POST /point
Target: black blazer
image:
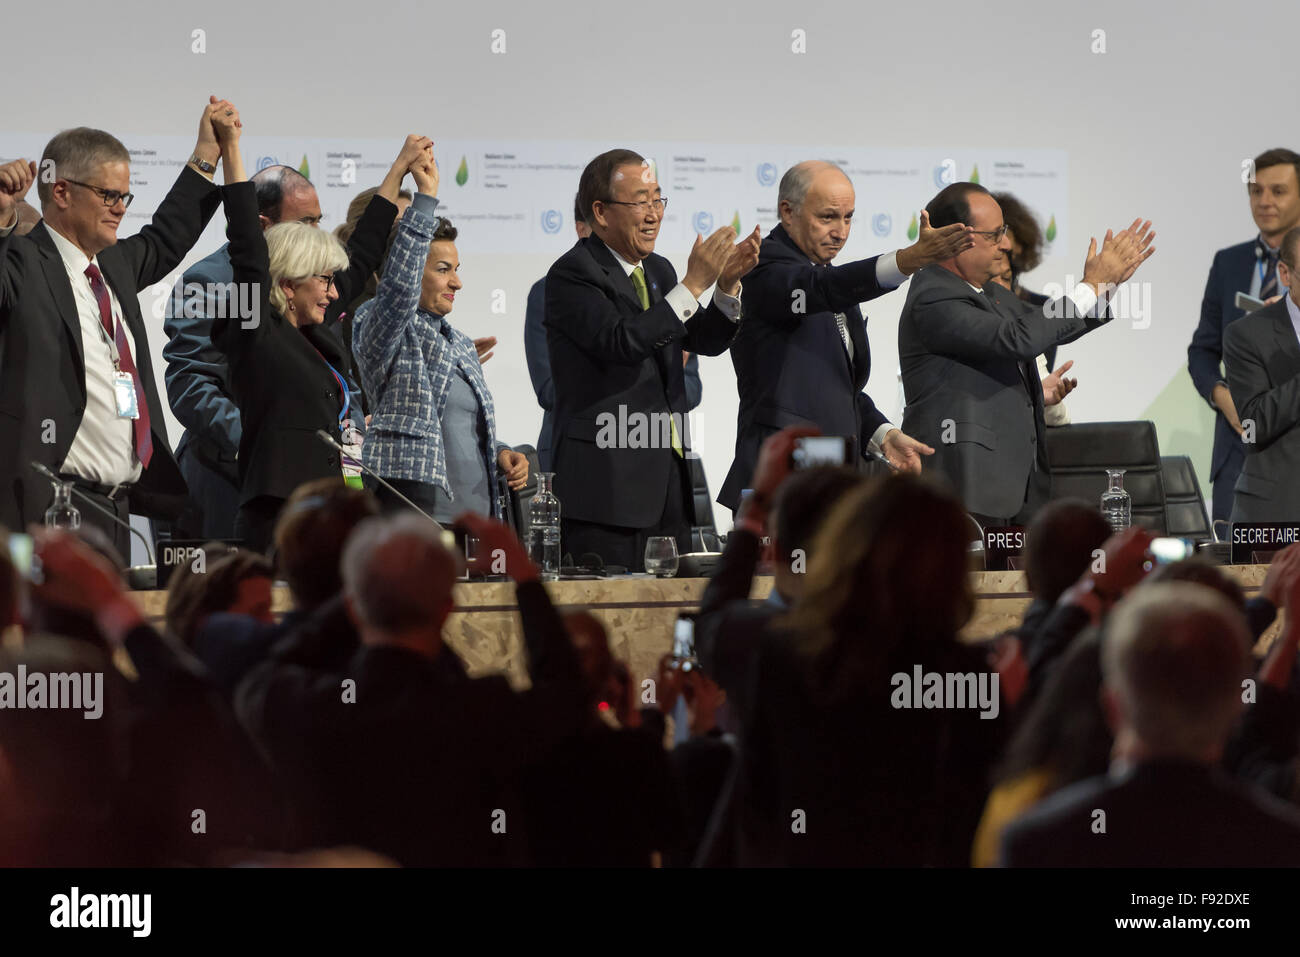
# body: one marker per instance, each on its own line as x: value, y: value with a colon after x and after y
x: 791, y: 367
x: 970, y: 376
x: 1262, y: 359
x: 284, y: 390
x: 1230, y: 273
x: 606, y: 354
x: 42, y: 363
x: 1161, y: 814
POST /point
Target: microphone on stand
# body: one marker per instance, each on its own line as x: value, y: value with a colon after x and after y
x: 330, y: 441
x: 44, y: 470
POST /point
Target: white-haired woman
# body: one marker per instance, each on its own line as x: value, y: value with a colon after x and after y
x: 286, y: 371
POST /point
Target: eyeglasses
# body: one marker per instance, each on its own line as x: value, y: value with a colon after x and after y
x: 644, y: 206
x: 993, y: 235
x: 110, y: 196
x: 325, y: 277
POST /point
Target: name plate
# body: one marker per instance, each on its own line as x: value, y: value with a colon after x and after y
x: 177, y: 552
x: 1249, y: 539
x: 1002, y: 544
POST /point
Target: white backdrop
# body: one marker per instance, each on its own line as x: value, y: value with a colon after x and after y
x: 1157, y: 125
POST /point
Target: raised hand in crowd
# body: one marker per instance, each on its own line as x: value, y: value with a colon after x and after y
x: 707, y: 259
x: 1122, y: 564
x: 740, y: 260
x: 74, y: 577
x: 424, y: 170
x: 410, y: 153
x: 1119, y: 257
x: 227, y: 128
x: 935, y: 245
x: 16, y: 179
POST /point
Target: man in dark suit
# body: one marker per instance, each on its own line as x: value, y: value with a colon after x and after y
x: 539, y: 357
x: 801, y: 356
x: 1173, y: 663
x: 1249, y: 267
x: 198, y: 379
x: 617, y: 321
x: 77, y: 388
x: 967, y: 347
x: 1261, y: 354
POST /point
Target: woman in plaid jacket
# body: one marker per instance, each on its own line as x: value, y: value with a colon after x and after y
x: 432, y: 431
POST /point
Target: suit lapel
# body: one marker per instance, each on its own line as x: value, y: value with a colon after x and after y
x: 619, y: 279
x: 56, y: 277
x: 1285, y: 337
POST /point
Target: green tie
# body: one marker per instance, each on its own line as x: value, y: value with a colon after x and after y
x: 642, y: 294
x: 638, y: 280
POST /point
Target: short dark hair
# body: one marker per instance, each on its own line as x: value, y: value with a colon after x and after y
x: 272, y: 184
x: 309, y: 536
x: 1289, y: 251
x: 192, y: 596
x: 952, y: 204
x: 578, y: 215
x: 1276, y: 157
x: 443, y: 231
x: 597, y: 181
x: 1059, y: 545
x: 1024, y: 226
x: 75, y: 153
x: 804, y: 500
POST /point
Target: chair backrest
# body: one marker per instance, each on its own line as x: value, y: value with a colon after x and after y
x: 703, y: 500
x: 517, y: 511
x: 1078, y: 456
x: 1185, y: 515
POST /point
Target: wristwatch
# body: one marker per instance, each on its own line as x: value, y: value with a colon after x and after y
x: 204, y: 165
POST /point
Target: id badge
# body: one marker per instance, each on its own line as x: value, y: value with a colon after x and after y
x: 128, y: 405
x: 352, y: 441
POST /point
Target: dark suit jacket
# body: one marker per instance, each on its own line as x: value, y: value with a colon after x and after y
x: 539, y: 370
x: 277, y: 375
x: 1230, y: 273
x: 909, y: 793
x: 791, y: 366
x: 608, y: 353
x: 42, y: 365
x: 198, y: 381
x: 417, y: 765
x: 1262, y: 359
x: 1161, y: 814
x: 972, y: 386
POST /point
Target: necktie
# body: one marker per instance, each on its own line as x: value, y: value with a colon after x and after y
x: 143, y: 436
x: 643, y: 294
x: 842, y: 322
x: 1268, y: 258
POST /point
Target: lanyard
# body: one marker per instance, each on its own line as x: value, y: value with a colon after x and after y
x: 343, y: 388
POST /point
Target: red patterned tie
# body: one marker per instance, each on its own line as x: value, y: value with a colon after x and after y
x: 143, y: 437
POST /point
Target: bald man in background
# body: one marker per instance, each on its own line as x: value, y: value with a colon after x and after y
x: 801, y: 355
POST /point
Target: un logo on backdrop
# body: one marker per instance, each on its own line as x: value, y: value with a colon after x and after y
x: 766, y: 174
x: 264, y: 161
x: 703, y: 222
x: 552, y: 220
x: 882, y: 224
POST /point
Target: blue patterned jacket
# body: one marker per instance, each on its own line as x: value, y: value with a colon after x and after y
x: 406, y: 356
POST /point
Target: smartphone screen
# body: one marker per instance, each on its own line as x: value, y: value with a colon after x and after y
x: 814, y: 450
x: 684, y: 643
x: 1166, y: 551
x: 20, y: 553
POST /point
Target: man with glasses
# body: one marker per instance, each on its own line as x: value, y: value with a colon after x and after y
x: 968, y: 346
x: 1261, y: 354
x: 197, y: 375
x: 802, y: 355
x: 77, y: 390
x: 617, y: 321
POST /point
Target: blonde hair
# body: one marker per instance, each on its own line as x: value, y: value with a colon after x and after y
x: 297, y: 251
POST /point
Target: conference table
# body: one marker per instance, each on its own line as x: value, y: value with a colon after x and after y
x: 638, y: 612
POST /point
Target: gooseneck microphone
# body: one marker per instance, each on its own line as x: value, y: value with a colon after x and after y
x: 330, y: 441
x: 44, y: 470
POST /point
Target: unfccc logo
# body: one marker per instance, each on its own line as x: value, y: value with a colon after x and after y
x: 703, y: 222
x: 552, y: 220
x: 766, y: 174
x: 882, y: 224
x: 265, y: 161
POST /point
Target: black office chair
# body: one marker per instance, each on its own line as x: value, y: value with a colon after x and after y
x: 1185, y: 515
x: 517, y: 502
x: 705, y: 530
x: 1078, y: 456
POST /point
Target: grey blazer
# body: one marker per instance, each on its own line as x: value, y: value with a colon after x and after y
x: 972, y: 387
x: 1262, y: 359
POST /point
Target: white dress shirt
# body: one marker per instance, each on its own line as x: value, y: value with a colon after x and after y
x: 680, y: 298
x: 103, y: 450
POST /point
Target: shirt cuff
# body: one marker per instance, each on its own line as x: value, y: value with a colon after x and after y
x: 877, y: 441
x: 683, y: 303
x: 729, y: 305
x: 1084, y: 299
x: 6, y: 230
x: 887, y: 271
x: 425, y: 203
